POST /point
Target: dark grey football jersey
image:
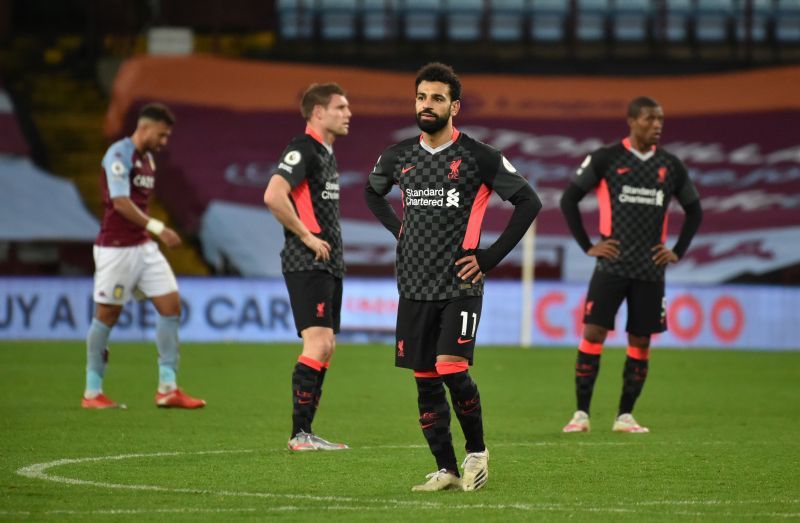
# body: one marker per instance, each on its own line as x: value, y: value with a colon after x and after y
x: 633, y: 193
x: 310, y: 168
x: 445, y: 193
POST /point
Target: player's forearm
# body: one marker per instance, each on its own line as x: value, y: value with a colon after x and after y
x: 691, y: 223
x: 125, y: 207
x: 281, y: 207
x: 572, y: 214
x: 382, y: 210
x: 526, y: 206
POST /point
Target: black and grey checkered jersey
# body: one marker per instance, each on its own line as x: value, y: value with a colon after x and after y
x: 445, y: 194
x: 310, y: 168
x: 634, y: 194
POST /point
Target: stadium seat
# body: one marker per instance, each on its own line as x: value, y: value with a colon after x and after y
x: 787, y: 22
x: 337, y: 19
x: 712, y: 20
x: 590, y: 20
x: 757, y: 29
x: 420, y: 18
x: 507, y: 20
x: 377, y: 20
x: 676, y: 24
x: 296, y: 19
x: 463, y: 20
x: 631, y: 20
x: 547, y: 20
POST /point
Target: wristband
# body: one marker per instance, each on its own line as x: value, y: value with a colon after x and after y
x: 155, y: 226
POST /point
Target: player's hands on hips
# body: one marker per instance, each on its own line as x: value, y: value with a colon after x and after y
x: 607, y: 248
x: 662, y: 255
x: 470, y: 269
x: 170, y: 238
x: 321, y: 248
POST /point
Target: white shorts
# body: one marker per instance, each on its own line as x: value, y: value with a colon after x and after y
x: 140, y: 270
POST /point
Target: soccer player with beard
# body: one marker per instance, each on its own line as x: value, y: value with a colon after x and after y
x: 445, y: 178
x: 635, y: 180
x: 303, y: 195
x: 129, y: 263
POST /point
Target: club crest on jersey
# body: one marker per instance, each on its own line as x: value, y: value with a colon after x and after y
x: 662, y: 174
x: 401, y: 350
x: 454, y: 165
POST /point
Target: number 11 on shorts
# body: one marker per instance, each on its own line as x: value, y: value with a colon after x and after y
x: 465, y: 323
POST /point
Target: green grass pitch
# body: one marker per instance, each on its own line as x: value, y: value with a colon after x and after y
x: 724, y: 443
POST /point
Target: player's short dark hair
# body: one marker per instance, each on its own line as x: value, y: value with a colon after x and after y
x: 439, y: 72
x: 158, y: 113
x: 636, y: 105
x: 318, y: 94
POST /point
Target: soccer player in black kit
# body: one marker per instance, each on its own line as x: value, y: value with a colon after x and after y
x: 303, y: 195
x: 635, y: 181
x: 445, y: 178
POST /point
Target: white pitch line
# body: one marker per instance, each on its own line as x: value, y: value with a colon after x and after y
x: 131, y: 511
x: 40, y: 471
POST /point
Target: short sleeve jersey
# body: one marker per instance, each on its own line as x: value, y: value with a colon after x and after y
x: 634, y: 191
x: 445, y: 192
x: 310, y: 168
x: 126, y: 173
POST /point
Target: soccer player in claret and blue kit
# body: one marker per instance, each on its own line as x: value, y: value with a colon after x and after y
x: 303, y: 195
x: 128, y: 263
x: 446, y: 179
x: 635, y: 181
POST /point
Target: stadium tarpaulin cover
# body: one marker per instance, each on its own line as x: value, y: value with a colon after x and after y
x: 36, y: 206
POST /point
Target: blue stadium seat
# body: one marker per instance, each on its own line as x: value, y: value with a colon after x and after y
x: 761, y: 17
x: 377, y: 20
x: 547, y: 20
x: 463, y: 20
x: 787, y: 22
x: 337, y: 19
x: 590, y: 20
x: 712, y: 19
x: 421, y: 18
x: 676, y: 25
x: 296, y: 19
x: 631, y: 20
x: 507, y: 20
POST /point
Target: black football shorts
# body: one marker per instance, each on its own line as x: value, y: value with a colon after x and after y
x: 316, y: 298
x: 426, y: 329
x: 647, y: 308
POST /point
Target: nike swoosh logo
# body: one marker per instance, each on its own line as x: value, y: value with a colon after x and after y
x: 462, y: 341
x: 302, y: 402
x: 623, y: 170
x: 429, y: 425
x: 407, y: 169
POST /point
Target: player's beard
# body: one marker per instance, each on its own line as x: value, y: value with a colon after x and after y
x: 432, y: 126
